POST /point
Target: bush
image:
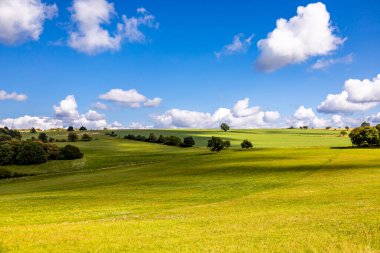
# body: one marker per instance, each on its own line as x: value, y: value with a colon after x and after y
x: 73, y: 137
x: 130, y: 137
x: 188, y: 142
x: 365, y: 136
x: 216, y: 144
x: 51, y: 139
x: 43, y: 137
x: 224, y: 127
x: 5, y: 137
x: 152, y: 138
x: 173, y: 141
x: 86, y: 137
x: 31, y: 153
x: 161, y: 139
x: 70, y: 152
x: 52, y: 151
x: 246, y: 144
x: 6, y: 154
x: 112, y: 134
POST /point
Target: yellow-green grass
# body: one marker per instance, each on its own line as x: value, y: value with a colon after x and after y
x: 129, y: 196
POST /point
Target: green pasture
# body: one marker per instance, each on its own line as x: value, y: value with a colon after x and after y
x: 296, y: 191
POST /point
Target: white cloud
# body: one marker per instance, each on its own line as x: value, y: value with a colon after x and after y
x: 91, y: 37
x: 99, y: 105
x: 325, y: 63
x: 295, y: 40
x: 363, y: 91
x: 26, y: 122
x: 138, y: 125
x: 339, y: 103
x: 306, y: 117
x: 22, y: 20
x: 67, y: 109
x: 239, y: 44
x: 240, y: 116
x: 153, y: 102
x: 12, y: 96
x: 130, y: 98
x: 94, y: 116
x: 303, y: 113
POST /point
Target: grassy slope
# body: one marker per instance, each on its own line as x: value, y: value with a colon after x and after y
x: 135, y: 196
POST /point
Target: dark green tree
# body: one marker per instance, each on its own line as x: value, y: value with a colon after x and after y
x: 86, y: 137
x: 246, y: 144
x: 43, y: 137
x: 72, y: 137
x: 70, y: 152
x: 70, y: 128
x: 31, y: 153
x: 33, y: 130
x: 224, y: 127
x: 365, y: 136
x: 365, y: 124
x: 216, y: 144
x: 188, y: 141
x: 152, y: 138
x: 82, y: 128
x: 6, y: 154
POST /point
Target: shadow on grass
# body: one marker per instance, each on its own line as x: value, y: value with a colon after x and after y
x: 354, y: 147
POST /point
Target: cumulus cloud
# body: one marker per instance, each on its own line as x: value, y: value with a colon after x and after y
x: 22, y: 20
x: 239, y: 44
x: 130, y: 98
x: 240, y: 116
x: 339, y: 103
x: 138, y: 125
x: 295, y: 40
x: 325, y: 63
x: 306, y: 117
x: 12, y: 96
x: 90, y: 36
x: 363, y: 91
x: 26, y: 122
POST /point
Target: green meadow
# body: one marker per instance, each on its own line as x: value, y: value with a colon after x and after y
x: 295, y: 191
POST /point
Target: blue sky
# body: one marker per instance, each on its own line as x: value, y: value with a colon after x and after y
x: 176, y: 62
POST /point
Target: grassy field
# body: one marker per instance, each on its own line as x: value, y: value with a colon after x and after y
x: 292, y: 193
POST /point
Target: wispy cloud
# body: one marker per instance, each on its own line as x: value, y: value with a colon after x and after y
x: 239, y: 44
x: 325, y: 63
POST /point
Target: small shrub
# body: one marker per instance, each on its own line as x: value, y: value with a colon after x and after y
x: 152, y: 138
x: 86, y: 137
x: 43, y: 137
x: 52, y: 151
x: 173, y: 141
x: 5, y: 137
x: 73, y: 137
x: 161, y: 139
x: 70, y: 152
x: 188, y: 142
x: 246, y: 144
x: 31, y: 153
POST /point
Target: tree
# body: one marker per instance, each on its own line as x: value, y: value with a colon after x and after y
x: 86, y: 137
x: 70, y: 152
x: 365, y: 124
x: 173, y: 141
x: 6, y: 154
x: 224, y: 127
x: 33, y: 130
x: 246, y: 144
x: 43, y: 137
x: 343, y: 133
x: 347, y: 127
x: 72, y: 137
x: 82, y: 128
x: 70, y: 129
x: 188, y: 142
x: 216, y: 144
x: 365, y: 136
x: 328, y: 127
x: 152, y: 138
x: 161, y: 139
x: 31, y: 153
x: 52, y: 151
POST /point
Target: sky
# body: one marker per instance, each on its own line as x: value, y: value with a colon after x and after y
x: 188, y: 64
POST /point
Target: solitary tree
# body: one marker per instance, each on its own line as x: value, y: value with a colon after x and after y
x: 72, y: 137
x: 70, y: 128
x: 347, y: 127
x: 365, y: 136
x: 43, y: 137
x: 82, y: 128
x: 343, y: 133
x: 246, y: 144
x: 216, y: 144
x: 33, y: 130
x: 224, y: 127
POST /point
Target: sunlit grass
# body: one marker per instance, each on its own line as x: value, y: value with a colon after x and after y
x: 138, y: 197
